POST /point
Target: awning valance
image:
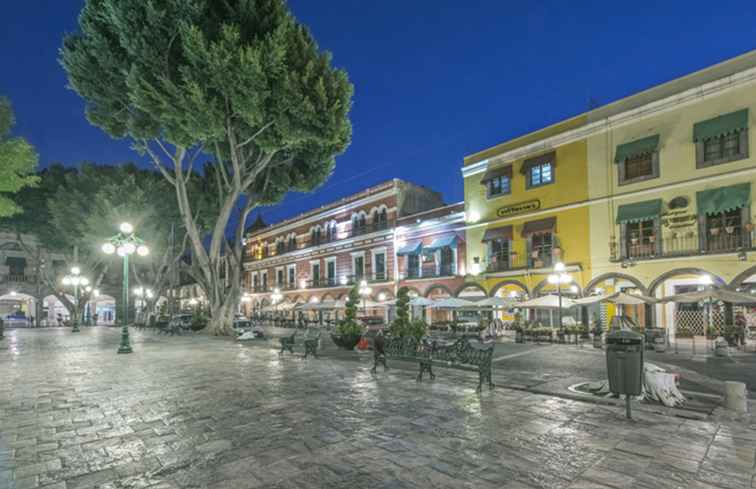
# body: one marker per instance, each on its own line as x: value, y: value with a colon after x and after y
x: 636, y: 148
x: 503, y: 233
x: 442, y: 242
x: 15, y: 261
x: 538, y: 160
x: 547, y: 225
x: 410, y: 248
x: 720, y: 126
x: 501, y: 171
x: 723, y: 199
x: 640, y: 211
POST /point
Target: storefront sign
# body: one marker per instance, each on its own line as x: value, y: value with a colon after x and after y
x: 519, y: 208
x: 678, y: 219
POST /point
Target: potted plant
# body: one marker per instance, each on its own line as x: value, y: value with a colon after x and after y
x: 729, y: 229
x: 349, y: 331
x: 748, y: 227
x: 652, y: 238
x: 634, y: 239
x: 714, y: 231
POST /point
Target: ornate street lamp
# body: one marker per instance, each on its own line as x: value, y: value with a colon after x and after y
x: 558, y: 278
x: 74, y: 279
x: 124, y: 244
x: 365, y: 292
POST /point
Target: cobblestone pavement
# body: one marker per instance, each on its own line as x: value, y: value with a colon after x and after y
x: 198, y: 412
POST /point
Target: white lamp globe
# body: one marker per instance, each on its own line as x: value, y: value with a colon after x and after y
x: 108, y: 248
x: 553, y: 279
x: 84, y: 281
x: 88, y: 289
x: 75, y: 270
x: 129, y: 248
x: 142, y: 250
x: 126, y: 228
x: 121, y: 250
x: 559, y: 267
x: 66, y: 281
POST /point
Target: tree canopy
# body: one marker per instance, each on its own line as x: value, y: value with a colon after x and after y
x: 18, y: 161
x: 239, y: 84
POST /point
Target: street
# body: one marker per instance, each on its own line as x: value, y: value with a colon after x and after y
x: 203, y: 412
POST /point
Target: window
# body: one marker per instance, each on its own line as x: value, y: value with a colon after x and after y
x: 255, y: 283
x: 264, y: 276
x: 292, y: 276
x: 379, y: 265
x: 315, y: 234
x: 541, y: 246
x: 639, y: 239
x: 358, y: 266
x: 331, y: 232
x: 413, y: 265
x: 724, y: 231
x: 280, y: 277
x: 498, y: 254
x: 280, y: 247
x: 292, y: 245
x: 446, y: 261
x: 639, y: 167
x: 724, y: 148
x: 331, y: 271
x: 315, y: 273
x: 540, y: 174
x: 499, y: 186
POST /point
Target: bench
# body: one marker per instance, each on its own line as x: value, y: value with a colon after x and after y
x: 462, y: 354
x: 310, y: 341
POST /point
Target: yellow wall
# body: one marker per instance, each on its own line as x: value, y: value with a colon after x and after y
x: 570, y: 187
x: 678, y: 176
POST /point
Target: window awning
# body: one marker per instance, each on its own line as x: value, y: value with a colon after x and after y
x: 410, y: 248
x: 442, y: 242
x: 501, y: 171
x: 547, y: 225
x: 640, y: 211
x: 723, y: 199
x: 636, y: 148
x: 720, y: 126
x: 15, y: 261
x: 503, y: 233
x: 538, y: 160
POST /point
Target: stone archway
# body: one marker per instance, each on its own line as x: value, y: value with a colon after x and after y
x: 470, y: 285
x: 742, y: 277
x: 500, y: 285
x: 614, y: 275
x: 438, y: 287
x: 682, y: 271
x: 412, y: 291
x: 545, y: 283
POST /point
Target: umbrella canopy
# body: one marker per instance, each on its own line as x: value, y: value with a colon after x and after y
x: 617, y: 298
x: 452, y: 303
x: 713, y: 294
x: 495, y: 302
x: 421, y: 301
x: 546, y: 302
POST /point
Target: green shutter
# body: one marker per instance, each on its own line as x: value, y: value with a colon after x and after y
x: 720, y: 126
x: 640, y: 211
x: 636, y: 148
x: 723, y: 199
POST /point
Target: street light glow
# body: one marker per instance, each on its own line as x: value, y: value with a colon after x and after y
x: 66, y: 280
x: 108, y: 248
x: 129, y: 248
x: 126, y: 228
x: 142, y: 250
x: 75, y: 270
x: 706, y: 280
x: 559, y: 267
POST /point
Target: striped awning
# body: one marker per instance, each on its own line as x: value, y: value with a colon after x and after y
x: 410, y: 248
x: 636, y: 148
x: 639, y: 212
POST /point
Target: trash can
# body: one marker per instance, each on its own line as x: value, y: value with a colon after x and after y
x: 624, y: 363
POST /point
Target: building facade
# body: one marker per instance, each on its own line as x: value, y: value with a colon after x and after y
x: 319, y: 255
x: 651, y: 194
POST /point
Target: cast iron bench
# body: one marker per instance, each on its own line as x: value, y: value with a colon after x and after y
x: 309, y: 340
x: 463, y: 354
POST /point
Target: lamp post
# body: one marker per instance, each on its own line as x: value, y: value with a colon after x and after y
x: 365, y: 291
x: 125, y: 243
x: 74, y: 279
x: 558, y: 278
x: 93, y: 293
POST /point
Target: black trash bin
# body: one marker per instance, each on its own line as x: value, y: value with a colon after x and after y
x: 624, y: 363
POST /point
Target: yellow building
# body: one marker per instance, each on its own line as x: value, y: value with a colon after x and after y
x: 651, y: 194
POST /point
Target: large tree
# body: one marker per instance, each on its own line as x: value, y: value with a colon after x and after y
x: 18, y: 161
x: 240, y: 82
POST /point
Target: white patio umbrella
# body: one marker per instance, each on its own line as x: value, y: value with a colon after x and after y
x: 328, y: 305
x: 421, y: 301
x: 452, y: 303
x: 713, y: 294
x: 495, y: 302
x: 546, y: 302
x: 620, y: 298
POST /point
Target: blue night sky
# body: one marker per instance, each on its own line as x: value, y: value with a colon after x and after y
x: 434, y: 79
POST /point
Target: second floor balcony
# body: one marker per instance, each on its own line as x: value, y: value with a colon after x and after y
x: 430, y: 270
x: 690, y: 244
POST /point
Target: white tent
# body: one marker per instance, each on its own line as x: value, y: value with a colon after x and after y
x: 714, y: 294
x: 546, y: 302
x: 452, y: 303
x: 495, y: 302
x: 617, y: 298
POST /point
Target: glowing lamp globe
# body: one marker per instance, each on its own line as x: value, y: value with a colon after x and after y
x: 126, y: 228
x: 129, y: 248
x: 75, y: 270
x: 84, y: 281
x: 66, y: 281
x: 108, y: 248
x: 121, y: 251
x: 142, y: 250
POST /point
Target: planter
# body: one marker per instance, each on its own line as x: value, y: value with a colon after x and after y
x: 346, y: 342
x: 729, y: 229
x: 634, y: 241
x: 748, y: 227
x: 652, y: 239
x: 714, y: 231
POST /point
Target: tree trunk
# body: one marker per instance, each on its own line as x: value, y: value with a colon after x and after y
x: 222, y: 314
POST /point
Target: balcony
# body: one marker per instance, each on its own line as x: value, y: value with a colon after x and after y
x: 689, y: 245
x: 430, y: 271
x: 517, y: 261
x: 368, y: 229
x: 17, y: 278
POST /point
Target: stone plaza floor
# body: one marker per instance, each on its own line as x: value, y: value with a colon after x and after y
x: 200, y: 412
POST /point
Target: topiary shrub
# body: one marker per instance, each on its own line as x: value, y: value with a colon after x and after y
x: 399, y: 327
x: 349, y: 326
